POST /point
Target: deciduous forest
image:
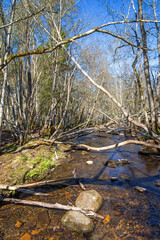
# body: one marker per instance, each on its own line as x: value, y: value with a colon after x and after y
x: 52, y: 82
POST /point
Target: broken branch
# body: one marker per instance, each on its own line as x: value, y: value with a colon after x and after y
x: 17, y: 189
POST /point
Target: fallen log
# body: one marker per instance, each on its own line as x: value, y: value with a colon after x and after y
x: 22, y: 190
x: 119, y: 145
x: 51, y: 206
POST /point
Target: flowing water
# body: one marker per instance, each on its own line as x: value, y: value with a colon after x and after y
x: 129, y: 213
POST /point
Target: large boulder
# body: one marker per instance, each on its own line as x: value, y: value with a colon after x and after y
x: 89, y: 200
x: 78, y: 222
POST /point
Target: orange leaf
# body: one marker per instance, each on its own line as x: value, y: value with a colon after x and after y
x: 107, y: 219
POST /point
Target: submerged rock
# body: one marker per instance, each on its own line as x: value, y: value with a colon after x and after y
x: 78, y: 222
x: 124, y: 176
x: 158, y: 183
x: 140, y: 189
x: 89, y: 200
x: 123, y: 161
x: 111, y: 163
x: 98, y: 236
x: 114, y: 179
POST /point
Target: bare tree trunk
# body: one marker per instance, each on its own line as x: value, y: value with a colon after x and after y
x: 140, y: 88
x: 7, y: 50
x: 158, y: 77
x: 146, y: 68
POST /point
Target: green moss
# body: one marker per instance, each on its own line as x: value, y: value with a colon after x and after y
x: 40, y: 170
x: 29, y: 163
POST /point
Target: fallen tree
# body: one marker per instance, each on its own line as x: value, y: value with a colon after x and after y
x: 51, y: 206
x: 119, y: 145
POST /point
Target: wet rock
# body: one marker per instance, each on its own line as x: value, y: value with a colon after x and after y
x: 149, y: 150
x: 113, y: 179
x: 111, y: 163
x: 157, y: 183
x: 89, y: 200
x: 123, y: 161
x: 89, y: 162
x: 124, y: 176
x: 140, y: 189
x: 78, y: 222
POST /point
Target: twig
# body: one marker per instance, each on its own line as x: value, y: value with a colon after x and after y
x: 79, y: 182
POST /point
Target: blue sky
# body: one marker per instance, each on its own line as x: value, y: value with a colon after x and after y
x: 96, y: 12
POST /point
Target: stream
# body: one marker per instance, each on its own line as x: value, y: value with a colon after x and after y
x: 130, y: 214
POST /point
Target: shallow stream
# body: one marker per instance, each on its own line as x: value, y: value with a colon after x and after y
x: 130, y: 213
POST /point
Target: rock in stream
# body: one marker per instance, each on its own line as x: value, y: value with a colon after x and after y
x: 89, y: 200
x: 78, y: 222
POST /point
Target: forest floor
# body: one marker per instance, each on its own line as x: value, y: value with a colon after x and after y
x: 33, y: 161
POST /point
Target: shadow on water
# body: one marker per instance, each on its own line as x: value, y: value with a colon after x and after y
x: 133, y: 215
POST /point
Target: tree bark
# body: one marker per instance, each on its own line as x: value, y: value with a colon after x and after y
x: 158, y: 77
x: 146, y: 68
x: 7, y: 51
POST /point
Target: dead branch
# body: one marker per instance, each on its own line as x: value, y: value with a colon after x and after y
x: 51, y: 206
x: 119, y: 145
x: 17, y: 189
x: 37, y: 184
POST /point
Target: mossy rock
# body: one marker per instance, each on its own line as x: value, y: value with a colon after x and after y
x: 149, y: 150
x: 63, y: 147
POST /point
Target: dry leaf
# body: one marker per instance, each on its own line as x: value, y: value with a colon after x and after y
x: 107, y: 219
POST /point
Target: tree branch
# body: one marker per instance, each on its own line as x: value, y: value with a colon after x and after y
x: 22, y: 19
x: 72, y: 39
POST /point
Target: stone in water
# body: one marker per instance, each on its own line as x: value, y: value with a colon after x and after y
x: 78, y: 222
